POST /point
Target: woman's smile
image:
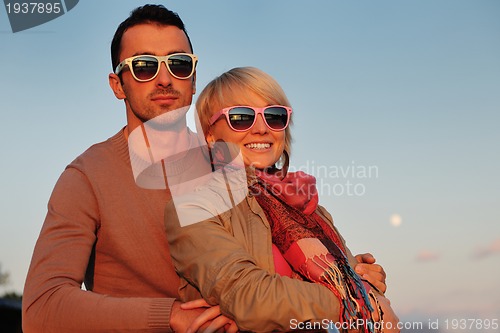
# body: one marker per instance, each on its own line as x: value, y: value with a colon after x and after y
x: 258, y: 146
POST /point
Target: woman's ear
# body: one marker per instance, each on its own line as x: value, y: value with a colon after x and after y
x: 210, y: 139
x: 116, y: 85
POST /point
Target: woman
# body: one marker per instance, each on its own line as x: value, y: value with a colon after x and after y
x: 256, y: 255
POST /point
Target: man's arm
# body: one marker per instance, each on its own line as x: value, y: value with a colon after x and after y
x: 53, y: 300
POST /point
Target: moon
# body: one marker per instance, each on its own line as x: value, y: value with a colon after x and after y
x: 396, y: 220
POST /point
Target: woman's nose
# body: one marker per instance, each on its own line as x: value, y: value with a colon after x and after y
x: 260, y: 126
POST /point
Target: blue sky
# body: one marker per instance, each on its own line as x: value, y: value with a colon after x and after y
x: 410, y: 89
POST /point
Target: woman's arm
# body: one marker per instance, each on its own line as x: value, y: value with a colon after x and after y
x: 208, y: 256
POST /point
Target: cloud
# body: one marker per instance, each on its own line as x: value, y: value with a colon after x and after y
x: 427, y: 255
x: 485, y: 251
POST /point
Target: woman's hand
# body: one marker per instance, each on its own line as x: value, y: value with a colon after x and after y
x: 368, y: 270
x: 211, y: 316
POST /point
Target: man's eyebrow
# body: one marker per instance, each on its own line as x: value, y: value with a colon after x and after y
x: 154, y: 53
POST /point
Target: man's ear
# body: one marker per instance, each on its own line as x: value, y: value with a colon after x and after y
x: 194, y: 83
x: 116, y: 85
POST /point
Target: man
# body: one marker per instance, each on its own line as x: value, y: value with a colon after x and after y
x: 104, y: 230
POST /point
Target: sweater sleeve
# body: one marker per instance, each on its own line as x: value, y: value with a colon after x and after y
x: 53, y: 300
x: 208, y: 256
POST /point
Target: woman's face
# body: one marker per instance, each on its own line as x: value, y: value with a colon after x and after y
x: 260, y: 146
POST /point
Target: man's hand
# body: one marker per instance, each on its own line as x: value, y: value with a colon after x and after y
x: 181, y: 319
x: 368, y: 270
x: 389, y: 315
x: 199, y: 316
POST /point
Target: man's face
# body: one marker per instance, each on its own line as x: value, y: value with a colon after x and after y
x: 146, y: 100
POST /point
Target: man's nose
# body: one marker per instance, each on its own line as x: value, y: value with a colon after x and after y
x: 164, y: 78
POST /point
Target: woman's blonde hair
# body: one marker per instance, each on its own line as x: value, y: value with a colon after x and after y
x: 233, y: 88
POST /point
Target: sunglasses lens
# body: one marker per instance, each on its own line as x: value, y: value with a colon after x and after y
x: 145, y: 68
x: 241, y: 118
x: 181, y: 65
x: 276, y: 117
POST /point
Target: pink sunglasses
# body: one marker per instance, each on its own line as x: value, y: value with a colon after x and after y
x: 242, y: 118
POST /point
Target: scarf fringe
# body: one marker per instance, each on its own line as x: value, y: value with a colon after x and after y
x: 339, y: 283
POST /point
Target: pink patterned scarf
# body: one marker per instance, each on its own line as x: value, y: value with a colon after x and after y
x: 311, y: 247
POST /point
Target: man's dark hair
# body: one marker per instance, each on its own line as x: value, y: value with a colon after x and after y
x: 143, y: 15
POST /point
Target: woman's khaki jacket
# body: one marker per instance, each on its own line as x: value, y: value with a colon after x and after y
x: 228, y: 259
